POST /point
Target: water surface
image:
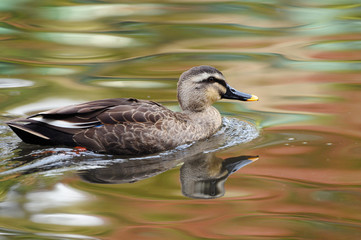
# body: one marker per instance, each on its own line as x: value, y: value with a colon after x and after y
x: 286, y: 167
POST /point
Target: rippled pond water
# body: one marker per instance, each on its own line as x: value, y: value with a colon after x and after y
x: 286, y: 167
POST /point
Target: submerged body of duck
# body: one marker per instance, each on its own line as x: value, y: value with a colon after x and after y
x: 132, y: 127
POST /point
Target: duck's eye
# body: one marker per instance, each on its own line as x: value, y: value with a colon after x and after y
x: 211, y: 79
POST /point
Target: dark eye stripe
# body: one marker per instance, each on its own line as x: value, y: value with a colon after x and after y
x: 213, y: 80
x: 222, y: 82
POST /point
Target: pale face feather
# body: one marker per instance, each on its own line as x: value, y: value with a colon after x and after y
x: 204, y: 75
x: 195, y: 93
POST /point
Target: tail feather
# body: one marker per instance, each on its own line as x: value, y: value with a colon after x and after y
x: 35, y: 132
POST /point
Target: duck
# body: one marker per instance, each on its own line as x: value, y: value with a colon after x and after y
x: 129, y: 126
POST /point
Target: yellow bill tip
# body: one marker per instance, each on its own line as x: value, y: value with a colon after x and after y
x: 253, y: 98
x: 255, y: 158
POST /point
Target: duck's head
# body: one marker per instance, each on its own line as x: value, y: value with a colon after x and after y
x: 200, y: 87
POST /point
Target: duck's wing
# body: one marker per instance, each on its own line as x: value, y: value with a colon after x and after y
x: 137, y: 128
x: 58, y: 126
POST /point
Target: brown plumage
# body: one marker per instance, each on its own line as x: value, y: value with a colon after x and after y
x: 130, y: 126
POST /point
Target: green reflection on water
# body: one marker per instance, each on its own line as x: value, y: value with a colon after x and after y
x: 329, y: 66
x: 350, y: 45
x: 93, y: 12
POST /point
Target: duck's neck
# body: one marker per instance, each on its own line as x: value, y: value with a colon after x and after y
x: 209, y: 119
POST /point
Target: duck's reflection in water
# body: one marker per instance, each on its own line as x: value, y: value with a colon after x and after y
x: 202, y: 176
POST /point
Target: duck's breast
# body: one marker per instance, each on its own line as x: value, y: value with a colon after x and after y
x: 191, y: 126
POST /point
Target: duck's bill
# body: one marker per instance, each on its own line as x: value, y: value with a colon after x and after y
x: 235, y: 163
x: 237, y: 95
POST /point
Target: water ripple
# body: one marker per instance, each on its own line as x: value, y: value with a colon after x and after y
x: 92, y: 12
x: 87, y: 39
x: 15, y: 83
